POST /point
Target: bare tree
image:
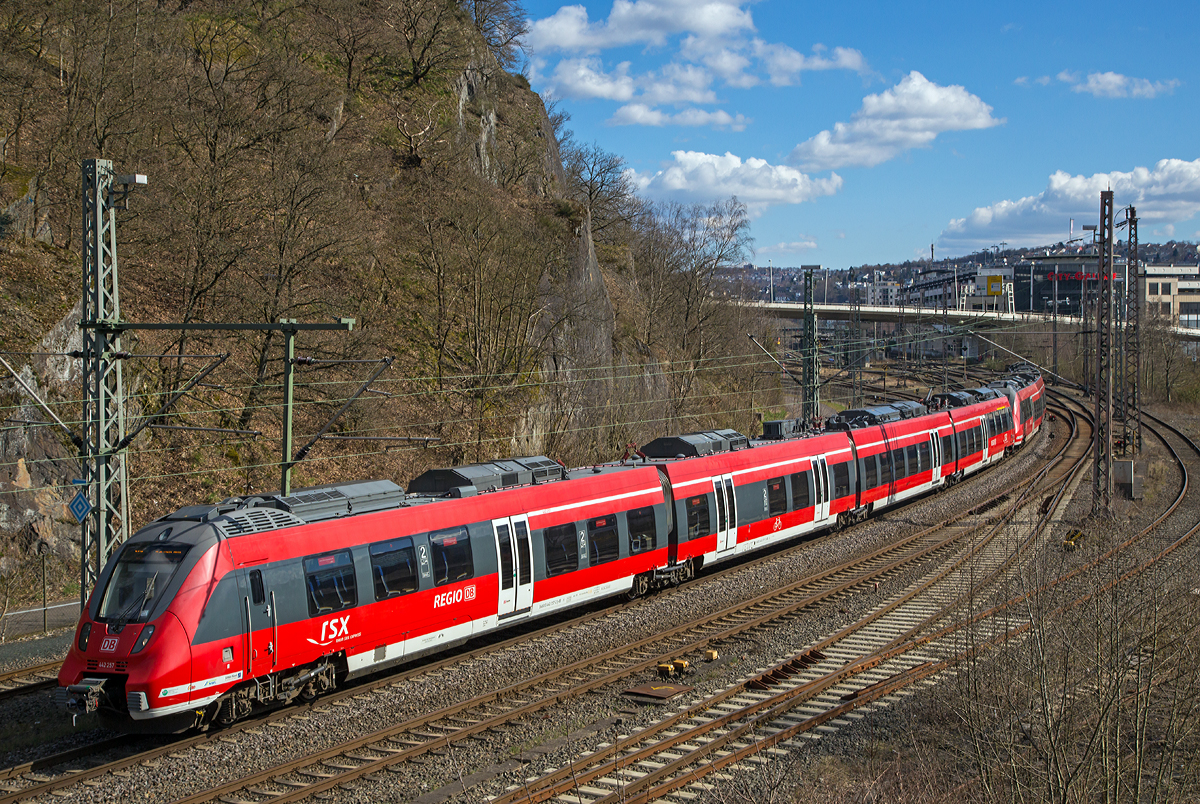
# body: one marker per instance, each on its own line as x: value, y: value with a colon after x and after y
x: 600, y: 181
x: 427, y: 33
x: 501, y: 23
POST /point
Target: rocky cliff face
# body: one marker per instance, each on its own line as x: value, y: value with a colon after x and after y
x: 514, y: 146
x: 513, y: 141
x: 37, y: 462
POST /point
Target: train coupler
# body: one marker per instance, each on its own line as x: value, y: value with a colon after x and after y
x: 82, y: 698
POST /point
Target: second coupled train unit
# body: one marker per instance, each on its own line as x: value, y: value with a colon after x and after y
x: 214, y: 611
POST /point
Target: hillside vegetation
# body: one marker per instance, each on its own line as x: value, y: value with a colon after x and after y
x: 360, y: 159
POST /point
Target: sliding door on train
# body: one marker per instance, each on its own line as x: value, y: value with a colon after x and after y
x: 514, y: 555
x: 821, y: 489
x: 726, y: 513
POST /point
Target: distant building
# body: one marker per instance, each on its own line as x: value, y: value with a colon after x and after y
x: 1172, y: 292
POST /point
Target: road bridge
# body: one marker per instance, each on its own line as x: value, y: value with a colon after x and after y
x: 981, y: 319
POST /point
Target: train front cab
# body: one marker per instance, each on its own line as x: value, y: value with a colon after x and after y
x: 131, y: 662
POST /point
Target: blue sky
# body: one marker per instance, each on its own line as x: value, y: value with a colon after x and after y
x: 862, y: 133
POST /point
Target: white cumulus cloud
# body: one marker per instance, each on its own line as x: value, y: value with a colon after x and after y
x: 696, y: 176
x: 909, y: 115
x: 639, y: 114
x: 677, y: 83
x: 1169, y: 192
x: 1115, y: 85
x: 793, y: 247
x: 585, y: 78
x: 784, y: 64
x: 637, y: 21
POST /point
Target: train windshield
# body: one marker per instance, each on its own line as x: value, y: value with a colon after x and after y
x: 143, y: 572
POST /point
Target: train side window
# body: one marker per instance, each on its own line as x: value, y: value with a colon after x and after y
x: 870, y: 472
x: 776, y: 497
x: 524, y: 571
x: 923, y: 455
x: 914, y: 465
x: 504, y: 542
x: 720, y: 505
x: 841, y: 479
x: 885, y: 468
x: 801, y: 498
x: 603, y: 543
x: 257, y: 593
x: 898, y: 469
x: 962, y: 443
x: 451, y: 552
x: 642, y: 531
x: 394, y: 568
x: 331, y: 583
x: 697, y: 516
x: 561, y: 553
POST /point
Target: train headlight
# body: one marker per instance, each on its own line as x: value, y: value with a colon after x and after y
x: 143, y: 638
x: 85, y: 631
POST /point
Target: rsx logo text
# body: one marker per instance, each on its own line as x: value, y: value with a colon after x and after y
x: 337, y: 627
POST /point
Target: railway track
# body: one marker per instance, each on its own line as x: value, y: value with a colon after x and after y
x: 28, y: 679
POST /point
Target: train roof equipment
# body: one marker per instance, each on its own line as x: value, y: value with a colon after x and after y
x: 855, y: 418
x: 779, y: 429
x: 467, y: 481
x: 695, y: 445
x: 256, y: 513
x: 967, y: 396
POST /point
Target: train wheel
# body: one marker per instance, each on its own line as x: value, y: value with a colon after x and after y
x: 641, y: 585
x: 688, y: 572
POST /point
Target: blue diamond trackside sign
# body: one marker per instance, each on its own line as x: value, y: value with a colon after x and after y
x: 80, y: 507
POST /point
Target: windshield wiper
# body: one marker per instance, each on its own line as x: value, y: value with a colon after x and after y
x: 125, y: 615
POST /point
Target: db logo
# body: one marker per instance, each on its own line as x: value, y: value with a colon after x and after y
x: 109, y: 645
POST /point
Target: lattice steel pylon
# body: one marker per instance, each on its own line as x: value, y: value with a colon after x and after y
x: 811, y: 407
x: 857, y: 348
x: 102, y: 459
x: 945, y: 330
x: 1102, y: 438
x: 1129, y: 399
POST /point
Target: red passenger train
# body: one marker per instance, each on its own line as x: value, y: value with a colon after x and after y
x: 212, y: 612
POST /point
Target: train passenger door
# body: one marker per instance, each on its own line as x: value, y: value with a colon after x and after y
x: 935, y: 457
x: 514, y: 557
x: 726, y: 513
x: 821, y: 490
x: 258, y: 603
